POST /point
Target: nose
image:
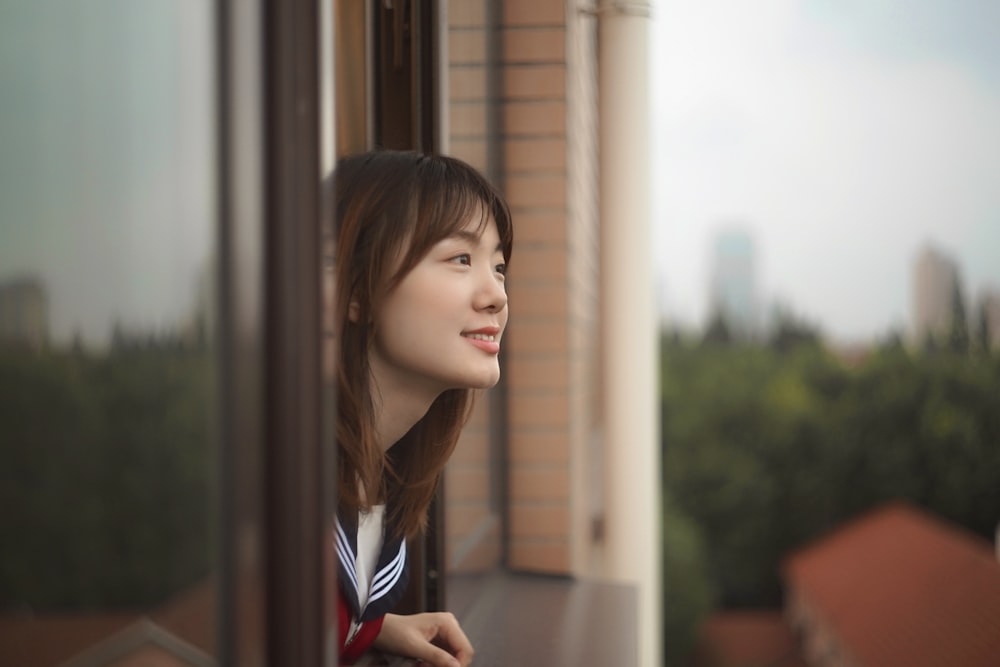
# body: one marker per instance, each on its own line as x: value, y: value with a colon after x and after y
x: 491, y: 294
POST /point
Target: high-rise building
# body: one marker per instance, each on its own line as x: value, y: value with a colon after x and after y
x: 733, y: 290
x: 24, y: 312
x: 935, y: 286
x: 988, y: 308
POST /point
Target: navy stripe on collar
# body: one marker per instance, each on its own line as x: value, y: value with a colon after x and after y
x: 389, y: 580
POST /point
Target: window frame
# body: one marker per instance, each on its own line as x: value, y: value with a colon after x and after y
x: 275, y: 487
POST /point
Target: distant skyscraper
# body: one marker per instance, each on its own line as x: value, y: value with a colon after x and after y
x: 733, y: 290
x: 989, y: 307
x: 935, y: 283
x: 24, y: 312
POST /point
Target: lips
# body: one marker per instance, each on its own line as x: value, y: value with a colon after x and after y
x: 485, y: 339
x: 491, y: 332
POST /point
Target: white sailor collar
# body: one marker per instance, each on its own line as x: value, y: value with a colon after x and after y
x: 391, y: 572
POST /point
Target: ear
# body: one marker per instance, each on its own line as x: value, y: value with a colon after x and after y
x: 354, y: 312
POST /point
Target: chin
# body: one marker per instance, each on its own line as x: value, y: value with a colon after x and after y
x: 484, y: 382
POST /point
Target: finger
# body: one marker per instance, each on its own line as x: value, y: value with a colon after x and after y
x: 450, y: 632
x: 435, y: 656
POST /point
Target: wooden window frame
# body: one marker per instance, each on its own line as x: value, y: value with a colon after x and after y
x: 274, y: 466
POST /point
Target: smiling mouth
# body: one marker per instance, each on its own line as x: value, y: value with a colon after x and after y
x: 487, y: 342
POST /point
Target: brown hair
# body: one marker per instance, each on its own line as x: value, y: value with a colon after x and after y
x: 391, y: 208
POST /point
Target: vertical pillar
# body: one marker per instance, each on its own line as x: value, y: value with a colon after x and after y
x: 629, y: 365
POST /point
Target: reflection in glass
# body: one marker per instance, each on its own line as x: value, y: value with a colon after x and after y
x: 107, y: 394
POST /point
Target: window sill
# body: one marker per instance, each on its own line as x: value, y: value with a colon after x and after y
x: 528, y: 620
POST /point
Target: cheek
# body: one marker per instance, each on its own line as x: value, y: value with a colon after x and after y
x: 438, y: 301
x: 402, y: 314
x: 423, y: 295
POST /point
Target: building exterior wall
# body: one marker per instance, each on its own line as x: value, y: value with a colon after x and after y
x: 472, y: 517
x: 532, y: 124
x: 24, y: 312
x: 629, y: 413
x: 934, y: 282
x: 545, y: 121
x: 989, y: 307
x: 550, y: 59
x: 583, y: 247
x: 733, y: 284
x: 818, y: 642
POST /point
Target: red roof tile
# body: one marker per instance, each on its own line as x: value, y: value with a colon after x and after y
x: 739, y: 638
x: 29, y: 641
x: 46, y: 640
x: 191, y: 615
x: 900, y: 587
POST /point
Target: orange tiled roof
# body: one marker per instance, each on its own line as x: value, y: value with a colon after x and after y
x: 47, y: 640
x: 900, y: 587
x: 27, y: 641
x: 730, y: 638
x: 191, y: 615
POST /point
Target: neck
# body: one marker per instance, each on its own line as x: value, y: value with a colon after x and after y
x: 397, y: 410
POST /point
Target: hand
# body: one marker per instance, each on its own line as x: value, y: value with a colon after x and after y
x: 434, y: 638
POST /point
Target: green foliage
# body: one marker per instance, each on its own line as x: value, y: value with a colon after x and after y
x: 767, y: 448
x: 105, y: 488
x: 982, y: 332
x: 718, y: 332
x: 790, y: 332
x: 688, y: 594
x: 958, y: 331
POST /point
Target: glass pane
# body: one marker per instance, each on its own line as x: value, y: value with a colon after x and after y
x: 107, y: 312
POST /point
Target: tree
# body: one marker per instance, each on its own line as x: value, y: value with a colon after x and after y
x: 106, y: 475
x: 983, y: 333
x: 688, y: 594
x: 765, y: 451
x: 958, y: 332
x: 891, y: 343
x: 791, y: 332
x: 717, y: 332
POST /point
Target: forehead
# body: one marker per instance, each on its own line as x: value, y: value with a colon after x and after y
x: 476, y: 228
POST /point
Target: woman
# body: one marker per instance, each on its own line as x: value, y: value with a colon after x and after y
x: 422, y: 244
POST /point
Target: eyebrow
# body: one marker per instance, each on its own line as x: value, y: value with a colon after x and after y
x: 472, y: 237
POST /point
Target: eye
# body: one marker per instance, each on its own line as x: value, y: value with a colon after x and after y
x: 501, y: 269
x: 465, y: 259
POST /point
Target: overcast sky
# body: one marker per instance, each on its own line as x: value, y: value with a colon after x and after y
x: 106, y: 160
x: 842, y: 135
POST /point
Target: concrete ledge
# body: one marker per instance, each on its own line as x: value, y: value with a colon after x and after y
x: 528, y: 620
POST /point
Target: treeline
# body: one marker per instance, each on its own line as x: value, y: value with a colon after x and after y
x: 768, y: 446
x: 106, y: 476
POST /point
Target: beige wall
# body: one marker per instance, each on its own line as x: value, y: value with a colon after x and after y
x: 534, y: 135
x: 472, y: 540
x: 547, y: 142
x: 583, y: 247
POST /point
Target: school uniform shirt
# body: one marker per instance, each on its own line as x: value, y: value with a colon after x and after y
x: 372, y: 573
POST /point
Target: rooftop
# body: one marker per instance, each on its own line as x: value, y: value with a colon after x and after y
x: 900, y: 587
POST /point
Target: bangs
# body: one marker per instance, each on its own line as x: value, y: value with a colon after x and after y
x: 447, y: 195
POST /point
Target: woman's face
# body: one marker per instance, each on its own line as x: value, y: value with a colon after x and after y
x: 440, y: 328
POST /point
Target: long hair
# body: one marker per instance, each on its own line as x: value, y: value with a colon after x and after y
x: 391, y: 208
